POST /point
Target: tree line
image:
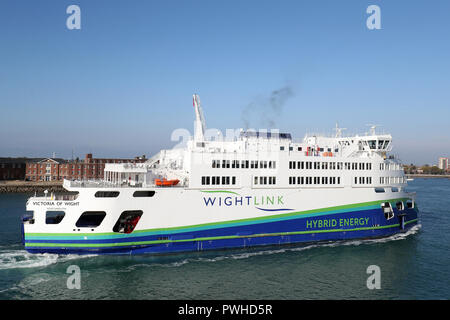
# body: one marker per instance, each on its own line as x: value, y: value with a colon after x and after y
x: 426, y: 169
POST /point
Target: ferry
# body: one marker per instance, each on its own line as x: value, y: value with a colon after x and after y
x: 257, y: 188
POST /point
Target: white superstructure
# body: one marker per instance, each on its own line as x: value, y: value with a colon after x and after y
x: 264, y: 159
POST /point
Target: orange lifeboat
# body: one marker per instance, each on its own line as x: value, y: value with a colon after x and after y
x: 166, y: 183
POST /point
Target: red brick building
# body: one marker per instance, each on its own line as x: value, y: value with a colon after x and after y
x: 13, y: 168
x: 58, y: 169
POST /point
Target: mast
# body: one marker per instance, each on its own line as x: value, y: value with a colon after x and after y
x: 199, y: 124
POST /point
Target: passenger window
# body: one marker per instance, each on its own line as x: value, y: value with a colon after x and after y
x: 107, y: 194
x: 91, y: 219
x: 54, y: 217
x: 139, y: 194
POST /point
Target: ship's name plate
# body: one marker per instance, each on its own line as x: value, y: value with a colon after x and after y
x: 56, y: 203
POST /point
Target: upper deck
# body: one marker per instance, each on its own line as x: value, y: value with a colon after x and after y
x: 262, y: 159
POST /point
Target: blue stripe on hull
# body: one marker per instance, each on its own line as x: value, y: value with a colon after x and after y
x: 369, y: 224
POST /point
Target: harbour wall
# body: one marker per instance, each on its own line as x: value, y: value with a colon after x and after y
x: 30, y: 187
x: 428, y: 176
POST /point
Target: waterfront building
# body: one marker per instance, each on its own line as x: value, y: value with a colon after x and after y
x: 50, y: 169
x: 12, y: 168
x: 443, y: 163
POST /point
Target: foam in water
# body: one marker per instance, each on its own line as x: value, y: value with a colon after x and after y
x: 12, y: 259
x: 245, y: 255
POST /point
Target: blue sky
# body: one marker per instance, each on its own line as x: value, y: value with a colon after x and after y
x: 119, y: 86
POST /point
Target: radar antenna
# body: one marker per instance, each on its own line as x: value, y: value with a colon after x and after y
x: 372, y: 128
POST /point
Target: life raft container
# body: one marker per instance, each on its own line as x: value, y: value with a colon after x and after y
x: 166, y: 183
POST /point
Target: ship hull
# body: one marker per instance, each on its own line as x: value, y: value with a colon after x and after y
x: 279, y: 226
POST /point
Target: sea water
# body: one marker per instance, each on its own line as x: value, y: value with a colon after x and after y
x: 414, y: 265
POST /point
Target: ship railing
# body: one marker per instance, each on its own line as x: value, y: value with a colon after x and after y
x: 107, y: 184
x: 56, y: 196
x: 98, y: 184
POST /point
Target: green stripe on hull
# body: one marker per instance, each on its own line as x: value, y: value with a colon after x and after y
x: 140, y: 243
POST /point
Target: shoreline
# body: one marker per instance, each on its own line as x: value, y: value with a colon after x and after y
x: 438, y: 176
x: 30, y: 186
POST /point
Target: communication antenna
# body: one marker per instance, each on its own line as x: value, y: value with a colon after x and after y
x: 339, y: 131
